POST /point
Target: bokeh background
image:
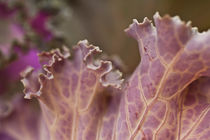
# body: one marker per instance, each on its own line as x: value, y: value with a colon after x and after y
x: 101, y: 22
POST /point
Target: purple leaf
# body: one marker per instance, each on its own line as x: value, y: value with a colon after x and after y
x: 167, y: 96
x: 14, y: 32
x: 38, y: 23
x: 73, y: 94
x: 20, y: 120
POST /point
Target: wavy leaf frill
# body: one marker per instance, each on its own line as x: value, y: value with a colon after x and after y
x: 72, y: 93
x: 167, y: 96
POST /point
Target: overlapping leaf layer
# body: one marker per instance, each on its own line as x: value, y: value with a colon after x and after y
x: 84, y: 98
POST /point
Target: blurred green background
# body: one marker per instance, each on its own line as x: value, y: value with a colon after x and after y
x: 102, y: 22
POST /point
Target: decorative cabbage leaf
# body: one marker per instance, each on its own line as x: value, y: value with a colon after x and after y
x: 19, y: 119
x: 167, y: 96
x: 21, y: 34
